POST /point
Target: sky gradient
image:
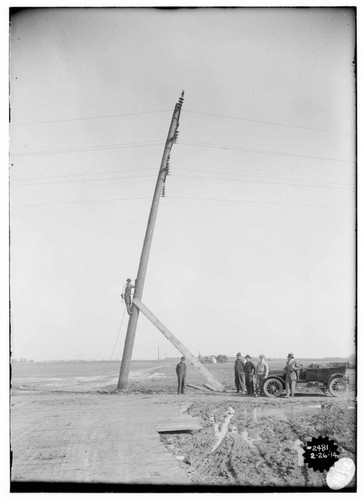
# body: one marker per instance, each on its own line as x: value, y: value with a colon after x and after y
x: 254, y: 245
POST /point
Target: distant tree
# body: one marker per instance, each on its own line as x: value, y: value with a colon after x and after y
x: 222, y: 358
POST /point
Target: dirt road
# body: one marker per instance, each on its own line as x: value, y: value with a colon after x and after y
x: 93, y: 438
x: 112, y: 438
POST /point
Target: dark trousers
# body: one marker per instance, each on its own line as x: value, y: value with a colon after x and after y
x: 250, y: 383
x: 239, y: 381
x: 181, y: 382
x: 128, y: 302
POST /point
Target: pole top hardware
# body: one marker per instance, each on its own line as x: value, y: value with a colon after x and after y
x: 181, y: 100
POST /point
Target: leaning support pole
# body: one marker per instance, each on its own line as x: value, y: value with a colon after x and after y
x: 144, y: 259
x: 217, y: 386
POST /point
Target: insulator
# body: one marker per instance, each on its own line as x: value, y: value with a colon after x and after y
x: 163, y: 191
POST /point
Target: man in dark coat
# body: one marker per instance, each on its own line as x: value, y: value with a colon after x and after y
x: 239, y: 374
x: 250, y: 370
x: 181, y: 371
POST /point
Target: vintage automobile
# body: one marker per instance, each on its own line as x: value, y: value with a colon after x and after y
x: 329, y: 378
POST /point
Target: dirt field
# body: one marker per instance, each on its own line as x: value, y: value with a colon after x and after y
x: 64, y: 412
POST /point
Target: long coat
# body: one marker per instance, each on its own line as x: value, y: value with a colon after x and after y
x: 239, y: 375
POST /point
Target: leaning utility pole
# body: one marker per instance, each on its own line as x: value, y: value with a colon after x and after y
x: 140, y: 280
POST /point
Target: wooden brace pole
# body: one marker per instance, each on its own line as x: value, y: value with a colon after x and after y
x: 217, y: 386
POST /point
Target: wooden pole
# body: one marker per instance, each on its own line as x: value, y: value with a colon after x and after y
x: 213, y: 382
x: 144, y: 259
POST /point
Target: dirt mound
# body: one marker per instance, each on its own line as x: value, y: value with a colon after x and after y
x: 263, y: 445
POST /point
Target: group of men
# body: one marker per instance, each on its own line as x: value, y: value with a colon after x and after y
x: 250, y: 377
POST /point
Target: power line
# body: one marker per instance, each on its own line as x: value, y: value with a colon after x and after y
x: 265, y: 122
x: 251, y: 202
x: 183, y: 143
x: 90, y: 118
x: 321, y: 186
x: 83, y: 201
x: 299, y: 184
x: 262, y: 176
x: 92, y: 148
x: 81, y: 174
x: 260, y: 151
x: 261, y: 182
x: 239, y: 118
x: 82, y: 180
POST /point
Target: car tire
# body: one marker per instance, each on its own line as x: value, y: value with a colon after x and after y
x: 338, y: 387
x: 272, y: 388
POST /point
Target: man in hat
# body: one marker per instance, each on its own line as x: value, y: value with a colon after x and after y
x: 239, y: 374
x: 181, y: 371
x: 250, y: 370
x: 126, y: 295
x: 291, y: 369
x: 262, y: 371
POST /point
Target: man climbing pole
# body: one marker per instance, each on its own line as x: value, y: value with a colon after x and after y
x: 126, y: 295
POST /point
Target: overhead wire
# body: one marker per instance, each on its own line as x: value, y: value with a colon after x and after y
x: 251, y: 202
x: 82, y: 180
x: 81, y: 201
x: 265, y: 122
x: 260, y: 151
x: 216, y: 115
x: 182, y: 143
x: 260, y: 176
x: 81, y: 174
x: 217, y: 172
x: 89, y: 148
x: 143, y: 176
x: 262, y: 182
x: 89, y: 118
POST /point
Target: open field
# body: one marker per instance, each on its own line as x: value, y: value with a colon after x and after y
x: 68, y: 426
x: 145, y: 376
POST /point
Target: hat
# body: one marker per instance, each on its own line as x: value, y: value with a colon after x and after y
x: 248, y: 356
x: 290, y: 355
x: 262, y: 356
x: 238, y: 354
x: 128, y: 279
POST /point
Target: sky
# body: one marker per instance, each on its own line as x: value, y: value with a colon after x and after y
x: 254, y: 244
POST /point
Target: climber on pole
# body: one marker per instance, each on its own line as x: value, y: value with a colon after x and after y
x: 126, y: 295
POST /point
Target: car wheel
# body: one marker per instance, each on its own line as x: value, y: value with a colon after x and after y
x: 338, y: 387
x: 272, y: 388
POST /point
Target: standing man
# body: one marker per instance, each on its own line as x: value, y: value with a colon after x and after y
x: 262, y: 371
x: 126, y: 295
x: 291, y: 369
x: 239, y: 374
x: 250, y: 370
x: 181, y: 371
